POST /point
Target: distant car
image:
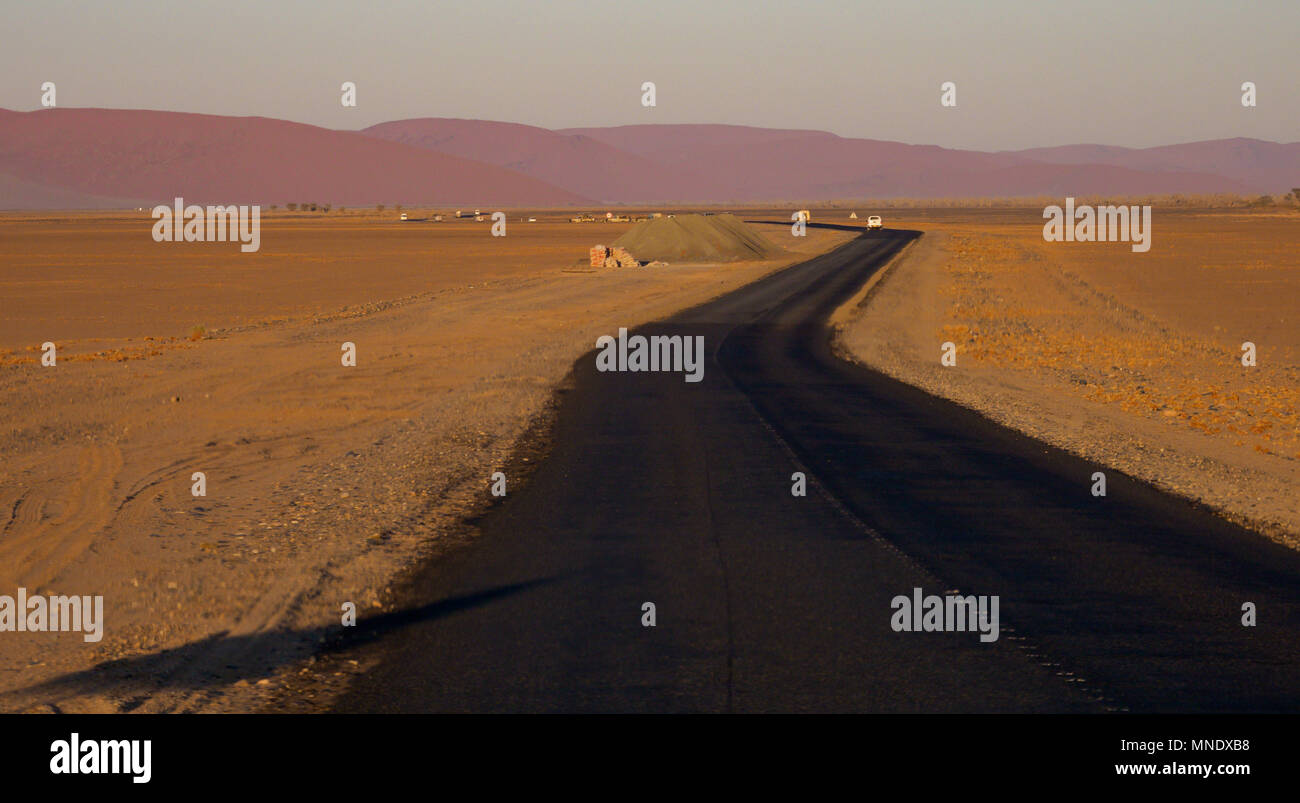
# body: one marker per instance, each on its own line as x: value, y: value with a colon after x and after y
x: 403, y: 216
x: 874, y: 222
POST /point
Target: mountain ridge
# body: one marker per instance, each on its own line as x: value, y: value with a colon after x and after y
x: 60, y: 158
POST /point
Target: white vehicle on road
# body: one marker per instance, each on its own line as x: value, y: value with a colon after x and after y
x: 874, y: 222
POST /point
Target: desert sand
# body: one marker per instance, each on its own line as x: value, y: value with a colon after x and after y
x: 1132, y: 360
x: 324, y: 482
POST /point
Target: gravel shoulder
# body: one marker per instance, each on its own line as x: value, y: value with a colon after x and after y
x: 1043, y: 349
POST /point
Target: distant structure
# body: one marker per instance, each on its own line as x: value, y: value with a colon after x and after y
x: 612, y: 257
x: 853, y: 216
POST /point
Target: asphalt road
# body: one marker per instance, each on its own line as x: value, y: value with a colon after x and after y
x: 659, y: 490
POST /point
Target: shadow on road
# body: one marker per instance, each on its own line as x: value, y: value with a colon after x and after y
x: 219, y: 660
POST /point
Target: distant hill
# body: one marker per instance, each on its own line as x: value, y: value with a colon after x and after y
x: 739, y: 163
x: 61, y: 155
x: 581, y: 164
x: 1259, y: 165
x: 98, y: 157
x: 728, y: 163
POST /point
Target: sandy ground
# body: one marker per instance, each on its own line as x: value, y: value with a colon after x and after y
x: 1131, y: 360
x: 324, y: 482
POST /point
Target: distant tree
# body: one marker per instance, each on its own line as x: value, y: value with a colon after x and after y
x: 325, y: 207
x: 313, y: 207
x: 380, y: 207
x: 291, y: 207
x: 274, y: 207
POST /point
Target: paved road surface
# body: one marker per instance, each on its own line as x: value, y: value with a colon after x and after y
x: 658, y: 490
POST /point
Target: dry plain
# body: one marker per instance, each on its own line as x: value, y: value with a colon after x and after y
x: 1130, y: 359
x: 323, y: 482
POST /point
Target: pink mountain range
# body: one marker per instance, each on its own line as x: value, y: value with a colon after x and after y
x: 103, y: 158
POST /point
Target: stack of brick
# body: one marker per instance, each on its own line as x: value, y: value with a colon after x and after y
x: 615, y: 257
x: 624, y: 258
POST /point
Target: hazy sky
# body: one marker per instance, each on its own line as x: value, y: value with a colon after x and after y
x: 1131, y: 72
